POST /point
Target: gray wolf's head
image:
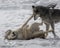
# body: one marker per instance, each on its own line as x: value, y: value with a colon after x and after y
x: 35, y: 12
x: 39, y: 11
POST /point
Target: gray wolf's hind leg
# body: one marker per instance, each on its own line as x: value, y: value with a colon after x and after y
x: 52, y: 25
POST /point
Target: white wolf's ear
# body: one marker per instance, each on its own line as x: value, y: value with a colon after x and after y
x: 33, y: 6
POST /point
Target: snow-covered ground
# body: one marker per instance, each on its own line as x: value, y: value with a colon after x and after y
x: 13, y: 14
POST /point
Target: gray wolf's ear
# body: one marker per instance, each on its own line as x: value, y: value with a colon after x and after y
x: 33, y: 6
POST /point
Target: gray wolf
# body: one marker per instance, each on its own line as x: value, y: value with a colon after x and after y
x: 48, y: 16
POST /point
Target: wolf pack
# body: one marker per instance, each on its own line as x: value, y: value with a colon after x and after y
x: 49, y: 16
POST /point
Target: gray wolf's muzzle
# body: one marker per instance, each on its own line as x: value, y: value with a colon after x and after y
x: 36, y: 16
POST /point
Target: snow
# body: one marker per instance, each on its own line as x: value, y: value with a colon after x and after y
x: 13, y: 14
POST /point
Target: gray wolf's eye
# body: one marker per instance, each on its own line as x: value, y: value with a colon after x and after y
x: 37, y: 11
x: 13, y: 33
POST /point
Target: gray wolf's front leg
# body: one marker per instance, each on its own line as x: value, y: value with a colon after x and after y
x: 47, y: 28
